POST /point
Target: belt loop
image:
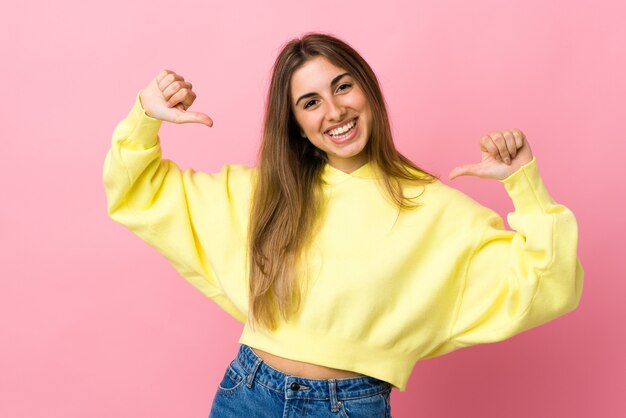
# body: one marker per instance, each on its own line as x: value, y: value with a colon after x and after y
x: 334, y: 405
x: 255, y: 367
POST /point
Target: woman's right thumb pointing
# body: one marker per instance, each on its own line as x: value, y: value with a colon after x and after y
x: 201, y: 118
x: 195, y: 117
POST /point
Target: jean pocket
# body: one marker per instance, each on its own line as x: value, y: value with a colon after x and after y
x: 233, y: 379
x: 366, y: 407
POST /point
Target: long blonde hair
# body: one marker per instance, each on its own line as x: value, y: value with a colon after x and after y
x: 288, y: 199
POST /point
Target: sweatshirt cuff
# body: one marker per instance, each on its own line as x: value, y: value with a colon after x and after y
x: 144, y: 128
x: 526, y: 189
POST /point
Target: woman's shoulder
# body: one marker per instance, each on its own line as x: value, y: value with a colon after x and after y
x: 445, y: 198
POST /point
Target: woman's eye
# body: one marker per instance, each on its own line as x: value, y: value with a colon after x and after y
x: 345, y: 84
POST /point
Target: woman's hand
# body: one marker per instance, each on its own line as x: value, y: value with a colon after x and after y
x: 503, y: 153
x: 168, y: 97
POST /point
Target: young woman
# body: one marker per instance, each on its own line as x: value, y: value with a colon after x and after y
x: 346, y: 262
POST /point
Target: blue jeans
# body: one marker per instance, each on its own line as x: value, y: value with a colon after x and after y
x: 251, y: 388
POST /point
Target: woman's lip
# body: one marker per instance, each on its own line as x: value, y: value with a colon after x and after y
x: 353, y: 133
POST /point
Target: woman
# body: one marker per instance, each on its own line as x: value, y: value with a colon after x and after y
x: 346, y: 262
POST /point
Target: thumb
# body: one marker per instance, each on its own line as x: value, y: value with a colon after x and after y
x: 192, y: 117
x: 465, y: 170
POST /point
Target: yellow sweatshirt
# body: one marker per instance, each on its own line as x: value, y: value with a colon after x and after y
x: 384, y: 289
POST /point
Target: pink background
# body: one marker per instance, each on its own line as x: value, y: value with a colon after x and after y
x: 94, y: 323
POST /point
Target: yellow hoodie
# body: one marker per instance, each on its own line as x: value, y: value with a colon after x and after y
x: 383, y: 289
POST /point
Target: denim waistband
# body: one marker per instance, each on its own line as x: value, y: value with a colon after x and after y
x: 301, y: 387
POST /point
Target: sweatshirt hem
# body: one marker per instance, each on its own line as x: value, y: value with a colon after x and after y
x: 144, y: 129
x: 331, y: 351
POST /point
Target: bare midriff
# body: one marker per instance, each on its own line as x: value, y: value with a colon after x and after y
x: 303, y: 369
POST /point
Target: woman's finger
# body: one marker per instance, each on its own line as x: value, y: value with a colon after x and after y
x: 510, y: 143
x: 189, y: 99
x: 194, y: 117
x: 487, y: 145
x: 169, y: 82
x: 162, y: 75
x: 499, y: 141
x: 178, y: 97
x: 173, y: 88
x: 519, y: 138
x: 170, y: 77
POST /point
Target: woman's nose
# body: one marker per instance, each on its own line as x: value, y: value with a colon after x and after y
x: 336, y: 111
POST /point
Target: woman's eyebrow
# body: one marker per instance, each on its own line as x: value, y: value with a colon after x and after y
x: 332, y: 84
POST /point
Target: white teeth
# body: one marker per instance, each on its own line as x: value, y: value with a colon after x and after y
x: 342, y: 129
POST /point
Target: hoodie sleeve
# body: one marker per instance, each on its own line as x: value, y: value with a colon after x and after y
x: 195, y: 220
x: 517, y: 280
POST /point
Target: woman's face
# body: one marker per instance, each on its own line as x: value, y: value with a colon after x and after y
x: 332, y: 112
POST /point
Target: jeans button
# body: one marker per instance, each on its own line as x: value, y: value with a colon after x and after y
x: 295, y: 386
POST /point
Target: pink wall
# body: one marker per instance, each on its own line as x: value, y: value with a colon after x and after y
x: 94, y: 323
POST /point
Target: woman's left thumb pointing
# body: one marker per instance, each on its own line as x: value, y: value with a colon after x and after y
x: 463, y: 170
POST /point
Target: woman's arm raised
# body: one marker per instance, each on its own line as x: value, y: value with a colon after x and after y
x: 519, y: 279
x: 189, y: 217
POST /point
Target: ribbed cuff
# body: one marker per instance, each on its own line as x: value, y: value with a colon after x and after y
x: 526, y: 189
x: 145, y: 128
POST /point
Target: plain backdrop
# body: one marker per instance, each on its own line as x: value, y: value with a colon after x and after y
x: 95, y: 323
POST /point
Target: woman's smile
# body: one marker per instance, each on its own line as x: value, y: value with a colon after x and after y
x: 344, y: 134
